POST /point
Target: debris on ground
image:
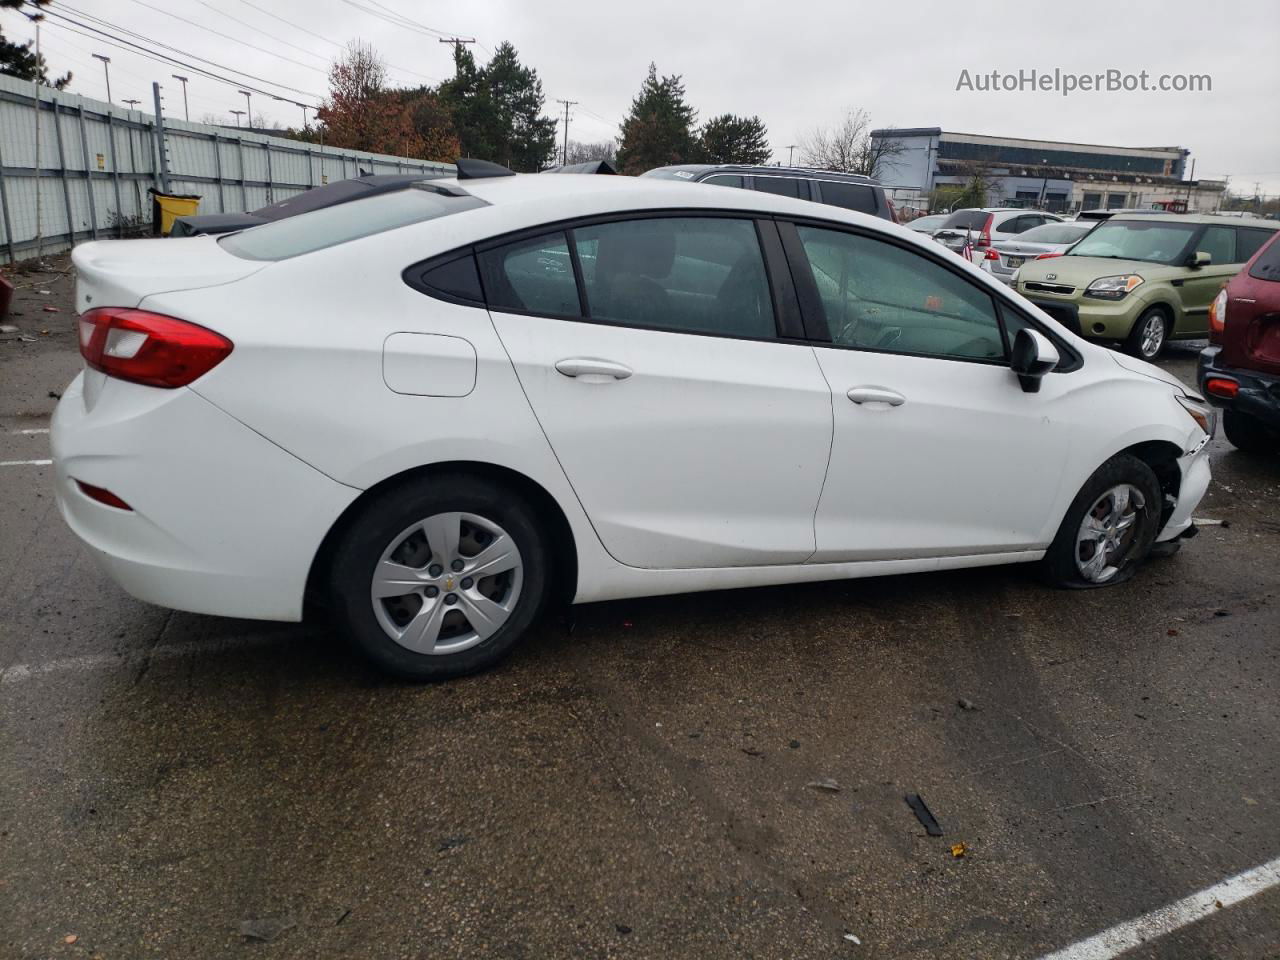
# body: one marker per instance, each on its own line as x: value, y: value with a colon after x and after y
x: 967, y: 704
x: 794, y: 744
x: 622, y: 928
x: 824, y: 784
x: 751, y: 752
x: 852, y: 939
x: 1171, y: 632
x: 266, y: 929
x: 450, y: 843
x: 70, y: 938
x: 958, y: 850
x: 1222, y: 613
x: 50, y: 308
x: 1206, y: 522
x: 922, y: 813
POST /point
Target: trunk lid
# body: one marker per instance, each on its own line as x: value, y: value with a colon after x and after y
x: 122, y: 273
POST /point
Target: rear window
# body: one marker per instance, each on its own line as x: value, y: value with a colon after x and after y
x: 966, y: 219
x: 345, y: 222
x: 783, y: 186
x: 1267, y: 266
x: 1056, y: 233
x: 851, y: 196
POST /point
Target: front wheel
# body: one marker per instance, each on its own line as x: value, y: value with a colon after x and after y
x: 1249, y: 433
x: 440, y: 576
x: 1109, y: 529
x: 1147, y: 338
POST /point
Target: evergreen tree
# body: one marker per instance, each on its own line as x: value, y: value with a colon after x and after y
x: 731, y: 139
x: 659, y: 129
x: 19, y: 59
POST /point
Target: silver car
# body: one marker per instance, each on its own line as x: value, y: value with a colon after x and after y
x: 981, y: 227
x: 1003, y: 258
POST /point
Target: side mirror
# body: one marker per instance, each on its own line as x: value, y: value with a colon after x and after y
x: 1200, y: 259
x: 1034, y: 355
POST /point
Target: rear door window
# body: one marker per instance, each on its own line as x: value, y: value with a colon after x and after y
x: 1249, y: 240
x: 783, y: 186
x: 1219, y: 243
x: 532, y: 276
x: 684, y: 274
x: 851, y: 196
x: 725, y: 180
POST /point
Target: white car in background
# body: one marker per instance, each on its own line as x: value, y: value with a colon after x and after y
x: 1003, y: 258
x: 437, y: 410
x: 980, y: 227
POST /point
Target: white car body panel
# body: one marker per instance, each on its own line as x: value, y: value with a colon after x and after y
x: 237, y: 479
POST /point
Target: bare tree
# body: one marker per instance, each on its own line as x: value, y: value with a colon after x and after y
x: 586, y: 152
x: 849, y: 147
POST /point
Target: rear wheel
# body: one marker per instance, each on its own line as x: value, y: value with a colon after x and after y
x: 440, y: 577
x: 1110, y: 527
x: 1148, y: 337
x: 1249, y: 433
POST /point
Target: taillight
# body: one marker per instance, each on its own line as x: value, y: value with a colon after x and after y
x: 1221, y: 387
x: 102, y: 495
x: 1048, y: 256
x: 1218, y: 314
x: 149, y: 348
x: 991, y: 255
x: 985, y: 239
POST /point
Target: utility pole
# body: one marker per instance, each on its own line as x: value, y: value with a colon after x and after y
x: 248, y: 107
x: 304, y: 116
x: 564, y: 155
x: 106, y: 71
x: 458, y: 43
x: 791, y: 153
x: 238, y: 114
x: 186, y: 112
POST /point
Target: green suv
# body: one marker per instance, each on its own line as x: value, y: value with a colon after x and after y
x: 1143, y: 279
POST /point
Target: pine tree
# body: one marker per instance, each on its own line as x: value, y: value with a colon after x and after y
x: 659, y: 129
x: 19, y: 60
x: 731, y: 139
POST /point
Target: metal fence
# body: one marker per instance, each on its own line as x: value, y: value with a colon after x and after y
x: 79, y: 169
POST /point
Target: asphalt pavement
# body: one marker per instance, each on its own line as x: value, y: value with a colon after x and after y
x: 715, y: 775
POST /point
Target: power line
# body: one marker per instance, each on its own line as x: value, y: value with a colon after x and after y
x: 97, y: 34
x: 245, y: 23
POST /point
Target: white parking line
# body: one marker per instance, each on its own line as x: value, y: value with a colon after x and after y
x: 20, y: 672
x: 25, y: 463
x: 1125, y: 936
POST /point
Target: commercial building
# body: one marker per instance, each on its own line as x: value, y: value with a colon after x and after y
x: 1047, y: 174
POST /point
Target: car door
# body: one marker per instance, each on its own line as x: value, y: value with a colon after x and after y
x: 693, y: 435
x: 937, y: 450
x: 1199, y: 285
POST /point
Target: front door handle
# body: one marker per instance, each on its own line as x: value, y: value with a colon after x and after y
x: 593, y: 371
x: 876, y: 395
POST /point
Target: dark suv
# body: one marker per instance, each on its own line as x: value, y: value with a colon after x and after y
x: 1240, y: 369
x: 849, y: 190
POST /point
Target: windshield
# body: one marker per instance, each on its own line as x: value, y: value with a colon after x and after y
x: 1137, y: 240
x: 1056, y: 233
x: 330, y: 226
x: 966, y: 219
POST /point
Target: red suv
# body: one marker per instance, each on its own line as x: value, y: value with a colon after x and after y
x: 1240, y: 370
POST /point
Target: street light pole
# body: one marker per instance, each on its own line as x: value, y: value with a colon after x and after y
x: 106, y: 71
x: 248, y: 107
x: 238, y: 114
x: 133, y: 104
x: 186, y: 113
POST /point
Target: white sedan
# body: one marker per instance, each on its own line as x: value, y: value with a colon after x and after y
x: 435, y: 411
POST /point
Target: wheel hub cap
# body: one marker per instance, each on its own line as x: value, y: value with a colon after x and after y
x: 446, y: 583
x: 1108, y: 532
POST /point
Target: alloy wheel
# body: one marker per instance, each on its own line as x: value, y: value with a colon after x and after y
x: 447, y: 583
x: 1108, y: 532
x: 1152, y: 335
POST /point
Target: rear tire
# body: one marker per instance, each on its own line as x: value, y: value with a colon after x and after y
x: 1249, y: 434
x: 440, y: 576
x: 1097, y: 544
x: 1149, y: 335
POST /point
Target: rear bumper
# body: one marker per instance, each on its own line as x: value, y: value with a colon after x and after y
x: 223, y: 521
x: 1259, y: 395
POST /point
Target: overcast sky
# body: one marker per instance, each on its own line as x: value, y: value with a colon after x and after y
x: 794, y: 64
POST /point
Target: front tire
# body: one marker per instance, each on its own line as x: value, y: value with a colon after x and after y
x: 1150, y: 333
x: 440, y: 576
x: 1249, y: 434
x: 1109, y: 528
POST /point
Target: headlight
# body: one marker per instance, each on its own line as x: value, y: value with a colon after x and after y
x: 1113, y: 288
x: 1199, y: 412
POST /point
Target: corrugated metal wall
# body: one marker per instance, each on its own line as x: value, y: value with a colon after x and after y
x: 96, y: 162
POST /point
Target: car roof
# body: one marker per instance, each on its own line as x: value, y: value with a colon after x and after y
x: 1196, y: 218
x: 763, y: 168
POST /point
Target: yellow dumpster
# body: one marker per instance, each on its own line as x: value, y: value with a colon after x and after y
x: 165, y: 207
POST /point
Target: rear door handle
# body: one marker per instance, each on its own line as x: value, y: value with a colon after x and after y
x: 876, y: 395
x: 593, y: 371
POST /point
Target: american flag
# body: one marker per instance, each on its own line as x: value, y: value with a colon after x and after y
x: 967, y: 250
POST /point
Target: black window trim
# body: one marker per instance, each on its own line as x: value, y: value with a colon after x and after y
x: 814, y: 316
